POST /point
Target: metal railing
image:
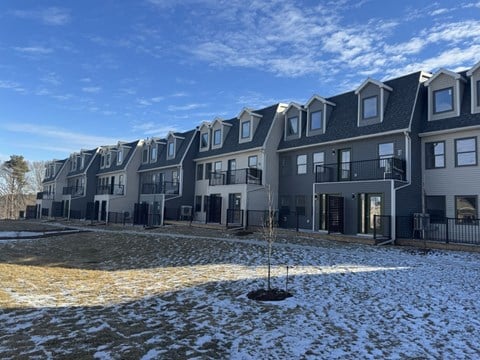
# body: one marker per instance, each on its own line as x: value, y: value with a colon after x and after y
x: 376, y: 169
x: 234, y: 217
x: 45, y: 195
x: 240, y: 176
x: 166, y: 187
x: 114, y: 189
x: 74, y: 191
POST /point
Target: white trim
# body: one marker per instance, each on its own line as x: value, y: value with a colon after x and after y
x: 393, y: 212
x: 357, y: 181
x: 457, y: 99
x: 381, y: 105
x: 473, y: 69
x: 412, y: 113
x: 343, y: 140
x: 278, y: 117
x: 293, y: 104
x: 380, y: 84
x: 449, y: 131
x: 473, y: 94
x: 228, y: 154
x: 248, y: 111
x: 445, y: 72
x: 319, y: 98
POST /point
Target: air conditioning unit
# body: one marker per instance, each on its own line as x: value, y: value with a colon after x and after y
x: 185, y: 211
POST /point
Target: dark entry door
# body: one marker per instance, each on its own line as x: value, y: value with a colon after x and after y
x: 370, y: 205
x: 215, y: 209
x: 96, y: 210
x: 234, y: 208
x: 335, y: 214
x: 103, y: 211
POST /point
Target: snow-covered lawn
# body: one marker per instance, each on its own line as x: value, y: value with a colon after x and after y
x: 108, y: 295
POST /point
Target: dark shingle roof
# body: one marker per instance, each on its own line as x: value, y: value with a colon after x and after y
x: 231, y: 144
x: 89, y: 156
x: 52, y: 178
x: 114, y: 165
x: 342, y: 123
x: 179, y: 153
x: 465, y: 119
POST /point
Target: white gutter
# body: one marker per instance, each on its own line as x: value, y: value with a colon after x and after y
x: 448, y: 131
x: 228, y: 154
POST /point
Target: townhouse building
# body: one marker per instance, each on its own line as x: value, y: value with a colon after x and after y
x: 236, y: 165
x: 49, y: 200
x: 117, y: 181
x: 349, y: 163
x: 166, y: 174
x: 80, y: 186
x: 449, y: 136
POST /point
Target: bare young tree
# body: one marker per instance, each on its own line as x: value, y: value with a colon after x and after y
x: 35, y: 176
x: 269, y: 232
x: 12, y: 184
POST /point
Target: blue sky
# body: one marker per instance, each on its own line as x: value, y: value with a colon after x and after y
x: 78, y: 74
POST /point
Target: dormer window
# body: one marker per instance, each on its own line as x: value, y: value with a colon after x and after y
x: 108, y: 160
x: 102, y: 161
x: 171, y: 149
x: 217, y: 137
x: 370, y: 107
x: 204, y: 140
x: 443, y: 100
x: 145, y: 155
x: 246, y: 126
x: 120, y: 157
x: 316, y: 118
x: 478, y: 92
x: 153, y: 154
x: 292, y: 126
x: 82, y: 162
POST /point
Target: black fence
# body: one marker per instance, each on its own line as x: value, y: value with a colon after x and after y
x: 240, y: 176
x: 376, y: 169
x: 284, y: 219
x: 119, y: 217
x: 235, y: 217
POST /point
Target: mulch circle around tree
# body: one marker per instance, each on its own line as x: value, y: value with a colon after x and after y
x: 268, y: 295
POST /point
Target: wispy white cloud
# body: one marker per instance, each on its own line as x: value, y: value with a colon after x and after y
x: 59, y: 136
x: 51, y: 78
x: 91, y: 89
x: 150, y: 128
x: 185, y: 107
x: 34, y: 50
x: 48, y: 16
x: 11, y: 85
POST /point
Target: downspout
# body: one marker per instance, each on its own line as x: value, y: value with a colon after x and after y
x: 408, y: 157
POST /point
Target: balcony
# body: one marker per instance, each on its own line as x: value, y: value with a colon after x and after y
x: 74, y: 191
x: 231, y: 177
x: 112, y: 189
x: 376, y: 169
x: 45, y: 195
x: 166, y: 187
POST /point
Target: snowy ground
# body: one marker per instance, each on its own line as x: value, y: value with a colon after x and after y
x: 108, y: 295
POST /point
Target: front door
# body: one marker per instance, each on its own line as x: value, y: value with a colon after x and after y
x: 369, y: 206
x: 234, y: 208
x: 103, y: 211
x: 215, y: 209
x: 344, y: 159
x: 335, y: 214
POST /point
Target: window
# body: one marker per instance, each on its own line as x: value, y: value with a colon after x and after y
x: 478, y: 92
x: 198, y: 203
x: 175, y: 176
x: 145, y: 155
x: 465, y: 208
x: 370, y: 107
x: 252, y: 161
x: 153, y: 154
x: 435, y: 206
x: 292, y: 126
x: 435, y: 155
x: 171, y: 149
x: 74, y: 164
x: 245, y: 130
x: 466, y: 152
x: 285, y: 204
x: 120, y: 157
x: 107, y: 160
x: 218, y: 166
x: 443, y: 100
x: 205, y: 202
x: 301, y: 164
x: 204, y: 140
x: 120, y: 180
x: 300, y: 204
x: 285, y: 166
x: 82, y: 162
x: 199, y: 171
x: 318, y: 162
x: 208, y: 170
x: 385, y: 152
x: 316, y: 122
x: 217, y: 137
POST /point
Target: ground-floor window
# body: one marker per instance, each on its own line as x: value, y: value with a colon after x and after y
x: 465, y: 208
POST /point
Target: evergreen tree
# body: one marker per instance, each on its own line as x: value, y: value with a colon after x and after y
x: 13, y: 174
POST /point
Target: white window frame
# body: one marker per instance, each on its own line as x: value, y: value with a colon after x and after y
x: 301, y: 164
x: 316, y: 162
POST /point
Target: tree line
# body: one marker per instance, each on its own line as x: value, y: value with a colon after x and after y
x: 20, y: 180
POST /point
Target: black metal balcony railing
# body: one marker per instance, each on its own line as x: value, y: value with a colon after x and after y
x: 45, y: 195
x: 166, y: 187
x: 112, y: 189
x: 376, y: 169
x: 241, y: 176
x: 74, y: 191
